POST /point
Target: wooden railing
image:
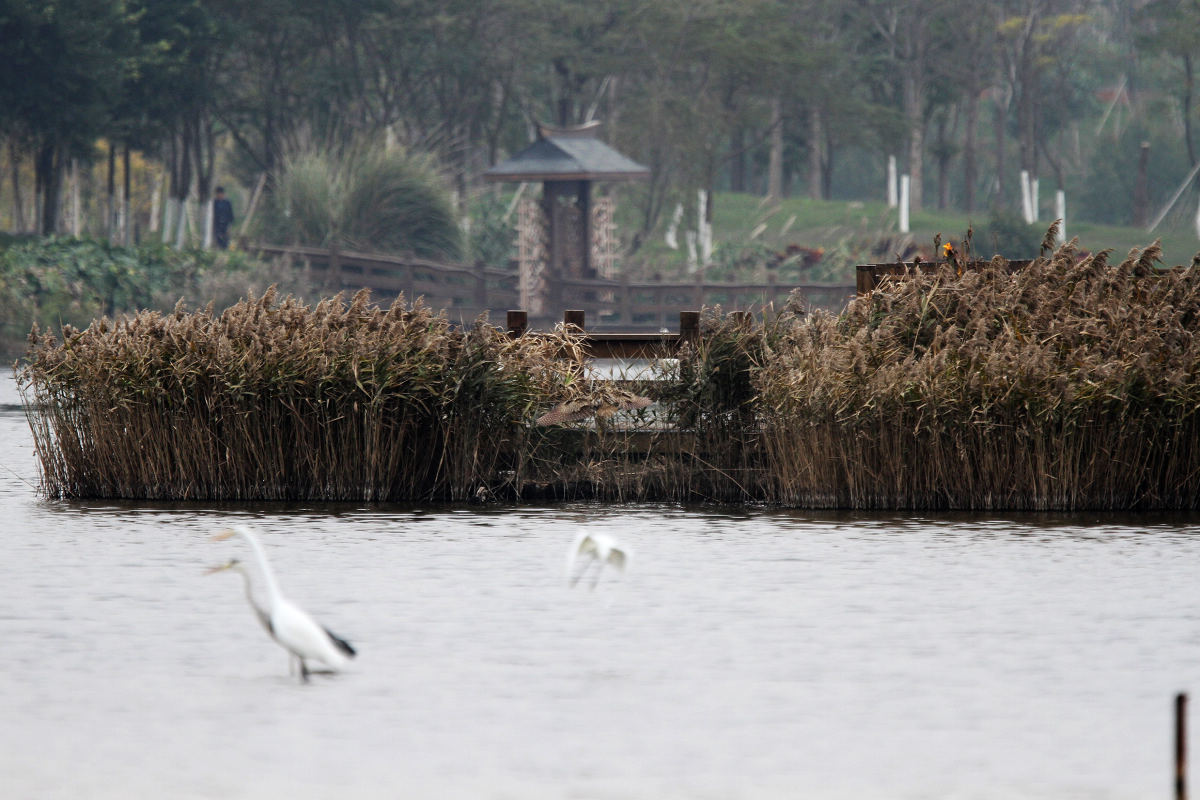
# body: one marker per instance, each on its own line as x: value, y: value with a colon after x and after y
x: 465, y: 292
x: 625, y: 304
x: 627, y: 344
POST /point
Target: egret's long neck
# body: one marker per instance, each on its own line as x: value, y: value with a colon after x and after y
x: 246, y: 582
x: 273, y: 593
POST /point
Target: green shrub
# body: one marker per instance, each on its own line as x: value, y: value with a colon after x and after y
x: 1006, y: 234
x: 65, y: 281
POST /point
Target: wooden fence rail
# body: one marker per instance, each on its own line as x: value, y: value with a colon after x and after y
x: 868, y: 276
x: 465, y: 292
x: 661, y: 344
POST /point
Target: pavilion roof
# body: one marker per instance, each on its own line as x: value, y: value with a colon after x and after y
x: 570, y: 154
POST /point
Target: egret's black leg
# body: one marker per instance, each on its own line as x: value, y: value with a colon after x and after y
x: 303, y: 671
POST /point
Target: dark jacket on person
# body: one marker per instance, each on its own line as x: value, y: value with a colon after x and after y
x: 222, y: 213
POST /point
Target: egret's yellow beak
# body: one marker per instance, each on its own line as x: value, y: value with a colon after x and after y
x: 219, y: 568
x: 223, y: 535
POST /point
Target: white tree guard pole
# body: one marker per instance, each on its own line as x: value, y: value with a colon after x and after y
x: 693, y: 260
x: 76, y: 212
x: 208, y: 225
x: 1060, y: 212
x: 122, y: 227
x: 904, y: 189
x: 704, y: 229
x: 671, y: 238
x: 155, y: 208
x: 1033, y: 199
x: 1026, y: 211
x: 170, y: 209
x: 892, y: 200
x: 182, y: 224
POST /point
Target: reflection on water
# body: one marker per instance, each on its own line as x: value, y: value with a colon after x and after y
x: 744, y: 653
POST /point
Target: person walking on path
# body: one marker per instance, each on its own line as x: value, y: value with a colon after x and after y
x: 222, y: 218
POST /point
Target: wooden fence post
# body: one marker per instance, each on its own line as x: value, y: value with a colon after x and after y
x: 626, y: 305
x: 333, y: 269
x: 689, y: 326
x: 1181, y: 746
x: 574, y: 316
x: 481, y: 290
x: 518, y: 323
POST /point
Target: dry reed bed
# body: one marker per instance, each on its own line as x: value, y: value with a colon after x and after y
x: 276, y: 400
x: 1071, y: 384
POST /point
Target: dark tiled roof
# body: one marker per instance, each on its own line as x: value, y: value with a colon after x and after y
x: 567, y: 158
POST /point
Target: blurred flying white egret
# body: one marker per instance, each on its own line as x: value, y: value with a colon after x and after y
x: 599, y: 549
x: 288, y: 624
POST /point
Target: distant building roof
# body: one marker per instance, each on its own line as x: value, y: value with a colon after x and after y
x: 568, y: 154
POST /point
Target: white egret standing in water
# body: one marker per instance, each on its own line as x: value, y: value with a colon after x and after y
x: 286, y: 622
x: 599, y: 549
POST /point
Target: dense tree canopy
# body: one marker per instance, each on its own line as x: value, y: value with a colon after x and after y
x: 769, y: 96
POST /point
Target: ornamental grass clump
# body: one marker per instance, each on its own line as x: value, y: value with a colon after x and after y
x: 273, y: 399
x: 1069, y: 384
x: 364, y: 198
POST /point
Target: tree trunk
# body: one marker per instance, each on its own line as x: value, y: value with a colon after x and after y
x: 1027, y: 129
x: 49, y: 169
x: 170, y: 209
x: 914, y: 113
x: 816, y: 143
x: 183, y: 224
x: 110, y: 208
x: 970, y: 168
x: 1188, y: 88
x: 155, y: 205
x: 998, y: 129
x: 737, y: 160
x: 169, y: 204
x: 181, y: 184
x: 563, y: 111
x: 76, y: 209
x: 775, y: 162
x: 943, y: 164
x: 204, y: 153
x: 14, y: 160
x: 126, y: 205
x: 1141, y: 189
x: 827, y: 165
x: 499, y: 103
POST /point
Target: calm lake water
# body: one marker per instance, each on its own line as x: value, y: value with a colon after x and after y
x: 743, y: 655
